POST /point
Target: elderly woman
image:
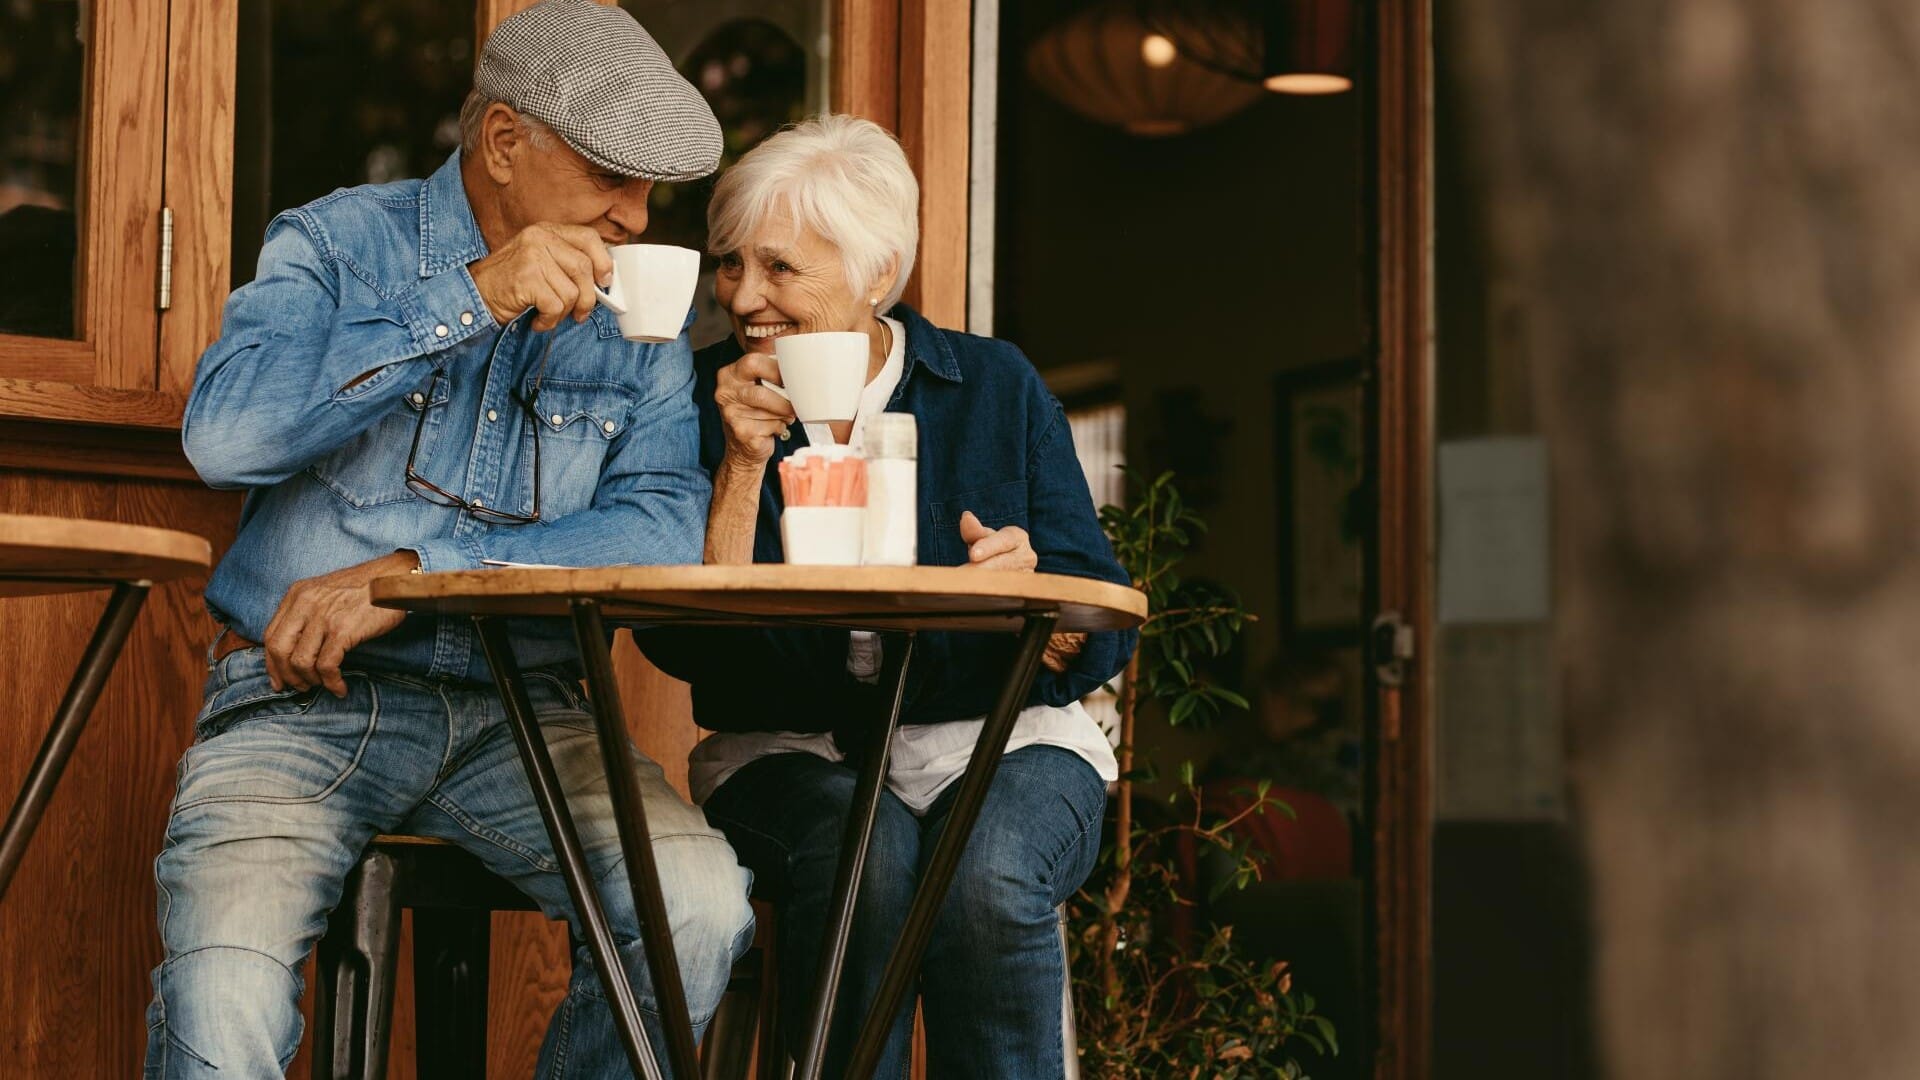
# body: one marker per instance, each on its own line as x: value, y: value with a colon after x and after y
x: 816, y: 230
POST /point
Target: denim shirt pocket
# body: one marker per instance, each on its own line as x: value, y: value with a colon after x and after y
x: 580, y: 423
x: 997, y: 506
x: 370, y: 470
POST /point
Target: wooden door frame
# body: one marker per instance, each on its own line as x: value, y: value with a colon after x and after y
x: 1401, y: 82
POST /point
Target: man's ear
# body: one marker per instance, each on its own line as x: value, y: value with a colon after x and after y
x: 501, y: 134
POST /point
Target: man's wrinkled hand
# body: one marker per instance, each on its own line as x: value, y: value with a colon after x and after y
x: 323, y: 618
x: 549, y: 268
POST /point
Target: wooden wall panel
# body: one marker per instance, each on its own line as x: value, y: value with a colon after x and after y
x: 77, y: 928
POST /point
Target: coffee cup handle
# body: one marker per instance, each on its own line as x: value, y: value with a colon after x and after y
x: 608, y: 299
x: 778, y: 389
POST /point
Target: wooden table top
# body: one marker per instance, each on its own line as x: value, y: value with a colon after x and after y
x: 41, y: 555
x: 861, y: 597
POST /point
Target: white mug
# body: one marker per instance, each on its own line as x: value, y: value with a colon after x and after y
x: 821, y: 374
x: 652, y: 289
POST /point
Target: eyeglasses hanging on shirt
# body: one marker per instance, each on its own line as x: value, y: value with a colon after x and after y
x: 439, y: 496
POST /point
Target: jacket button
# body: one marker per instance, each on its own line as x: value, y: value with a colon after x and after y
x: 419, y: 398
x: 492, y: 416
x: 608, y: 426
x: 466, y: 318
x: 441, y: 330
x: 557, y: 419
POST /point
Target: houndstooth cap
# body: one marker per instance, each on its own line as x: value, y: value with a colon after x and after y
x: 593, y: 75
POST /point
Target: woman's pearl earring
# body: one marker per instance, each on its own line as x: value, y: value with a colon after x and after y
x: 874, y: 302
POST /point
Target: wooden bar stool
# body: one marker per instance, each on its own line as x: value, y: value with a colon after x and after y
x: 41, y: 555
x: 453, y: 898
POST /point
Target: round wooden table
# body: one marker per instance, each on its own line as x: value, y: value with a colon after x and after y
x: 41, y: 555
x: 896, y: 601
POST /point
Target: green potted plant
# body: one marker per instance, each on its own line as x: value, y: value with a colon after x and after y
x: 1149, y: 1005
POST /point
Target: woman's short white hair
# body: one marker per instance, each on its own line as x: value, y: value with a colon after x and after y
x: 841, y: 176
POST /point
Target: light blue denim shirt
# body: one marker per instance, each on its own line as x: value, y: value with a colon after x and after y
x: 325, y: 363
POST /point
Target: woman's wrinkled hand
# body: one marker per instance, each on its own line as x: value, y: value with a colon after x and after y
x: 752, y: 415
x: 1010, y: 548
x: 1007, y: 548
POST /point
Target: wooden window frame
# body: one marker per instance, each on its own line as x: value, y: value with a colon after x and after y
x: 156, y: 131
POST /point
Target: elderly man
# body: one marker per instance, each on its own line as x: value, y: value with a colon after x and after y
x: 419, y: 379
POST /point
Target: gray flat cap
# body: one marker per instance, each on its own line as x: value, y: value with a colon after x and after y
x: 589, y: 72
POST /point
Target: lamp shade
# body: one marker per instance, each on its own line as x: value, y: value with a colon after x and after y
x: 1286, y: 46
x: 1108, y: 65
x: 1308, y: 47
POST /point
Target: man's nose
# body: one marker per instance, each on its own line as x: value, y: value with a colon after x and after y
x: 629, y: 210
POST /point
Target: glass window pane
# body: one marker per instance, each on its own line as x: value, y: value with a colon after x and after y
x: 42, y: 72
x: 753, y: 62
x: 334, y: 93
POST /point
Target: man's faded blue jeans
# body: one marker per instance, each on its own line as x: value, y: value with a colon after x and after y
x: 279, y: 794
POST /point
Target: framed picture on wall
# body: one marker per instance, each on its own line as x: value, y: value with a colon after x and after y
x: 1320, y: 442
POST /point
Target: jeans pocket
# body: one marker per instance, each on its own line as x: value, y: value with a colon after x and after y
x: 279, y: 749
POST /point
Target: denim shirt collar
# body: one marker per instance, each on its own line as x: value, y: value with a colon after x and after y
x: 449, y: 235
x: 927, y: 347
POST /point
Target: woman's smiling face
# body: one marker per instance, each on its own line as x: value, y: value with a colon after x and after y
x: 786, y: 280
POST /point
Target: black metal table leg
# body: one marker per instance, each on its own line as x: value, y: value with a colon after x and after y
x: 636, y: 843
x: 551, y: 800
x: 82, y: 692
x: 904, y: 962
x: 897, y: 652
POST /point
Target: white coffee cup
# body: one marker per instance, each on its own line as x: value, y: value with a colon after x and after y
x: 652, y: 289
x: 822, y: 373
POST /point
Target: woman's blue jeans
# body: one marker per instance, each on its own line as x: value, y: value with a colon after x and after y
x: 278, y: 796
x: 992, y: 984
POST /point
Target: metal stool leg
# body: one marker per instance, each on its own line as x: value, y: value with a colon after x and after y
x: 636, y: 841
x: 904, y: 963
x: 95, y: 665
x: 353, y: 1004
x: 551, y: 801
x: 450, y: 956
x: 858, y: 838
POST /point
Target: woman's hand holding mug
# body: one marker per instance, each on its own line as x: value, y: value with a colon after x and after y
x: 753, y: 415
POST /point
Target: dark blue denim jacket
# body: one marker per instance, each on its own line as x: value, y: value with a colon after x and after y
x: 993, y: 440
x: 323, y: 371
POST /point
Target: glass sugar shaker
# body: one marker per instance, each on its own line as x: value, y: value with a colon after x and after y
x: 892, y: 444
